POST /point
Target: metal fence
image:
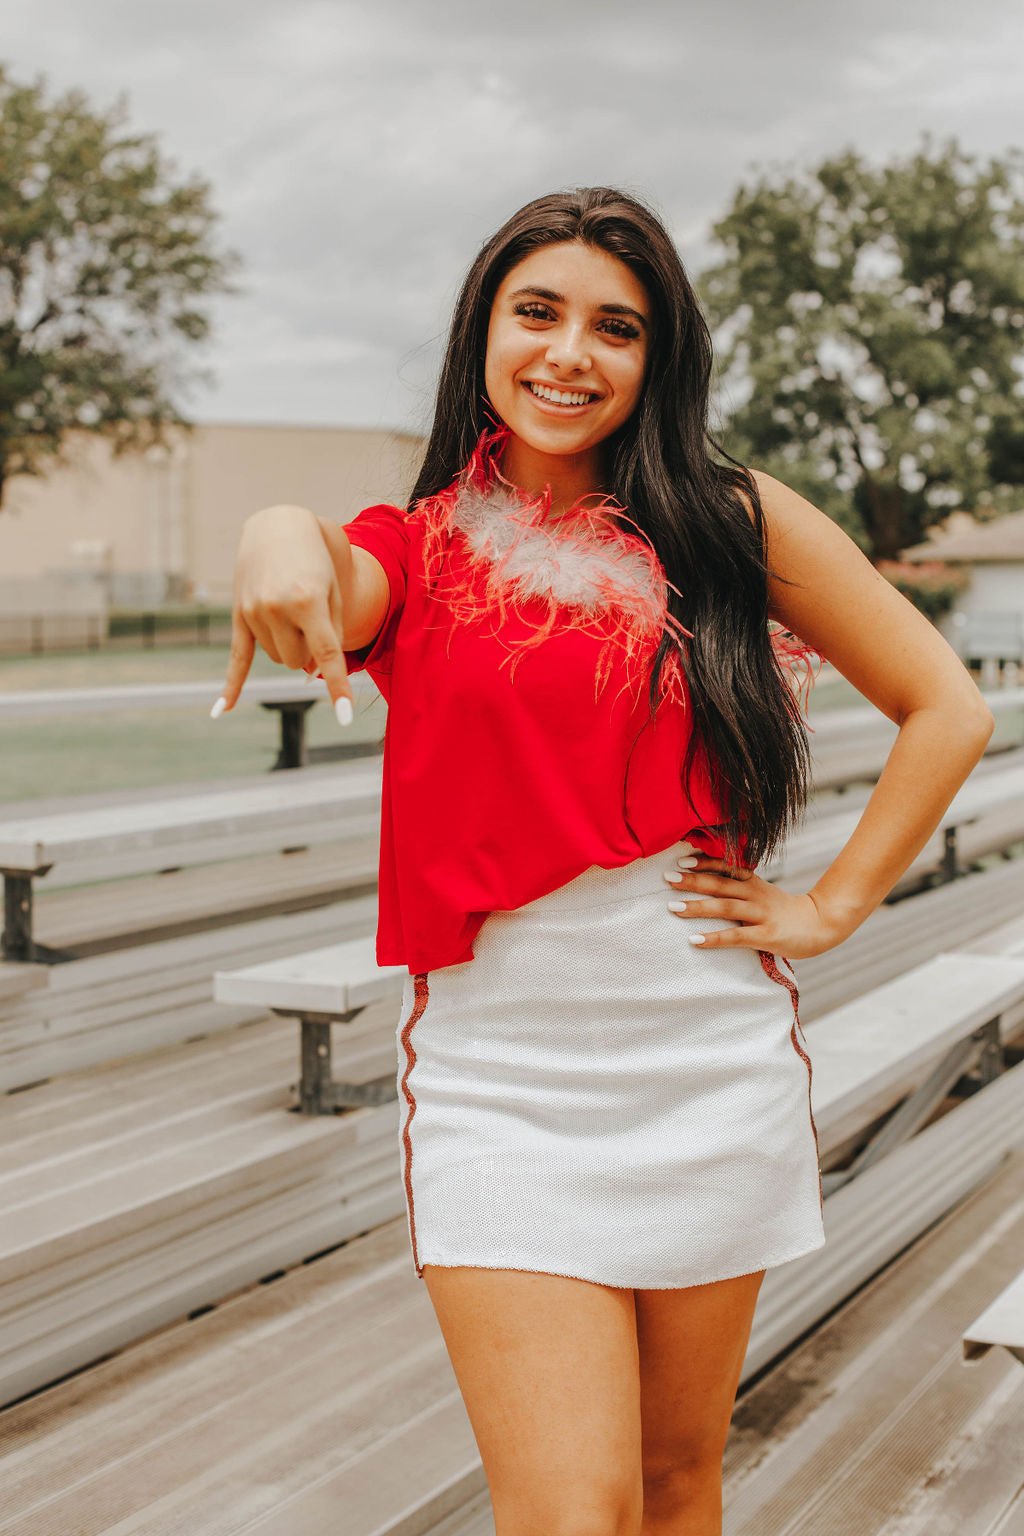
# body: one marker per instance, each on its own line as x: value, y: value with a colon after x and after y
x: 38, y: 634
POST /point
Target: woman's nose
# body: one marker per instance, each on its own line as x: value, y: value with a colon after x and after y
x: 567, y: 348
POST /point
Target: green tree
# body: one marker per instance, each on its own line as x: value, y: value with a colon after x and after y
x: 872, y: 320
x: 106, y: 258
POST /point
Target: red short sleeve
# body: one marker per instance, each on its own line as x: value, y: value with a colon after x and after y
x: 384, y: 532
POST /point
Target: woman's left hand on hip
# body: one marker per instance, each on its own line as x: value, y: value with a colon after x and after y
x: 784, y: 922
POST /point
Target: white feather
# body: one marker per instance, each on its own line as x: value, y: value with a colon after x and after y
x: 544, y: 561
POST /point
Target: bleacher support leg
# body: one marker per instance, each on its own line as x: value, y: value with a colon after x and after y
x: 315, y: 1096
x: 17, y: 937
x: 318, y: 1093
x: 293, y: 752
x: 982, y: 1047
x: 991, y: 1057
x: 950, y: 868
x: 293, y: 739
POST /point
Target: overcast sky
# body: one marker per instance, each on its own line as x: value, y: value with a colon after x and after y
x: 360, y: 153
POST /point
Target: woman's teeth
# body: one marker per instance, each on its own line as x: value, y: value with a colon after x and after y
x: 561, y: 397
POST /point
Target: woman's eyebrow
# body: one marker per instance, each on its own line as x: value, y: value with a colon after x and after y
x: 559, y: 298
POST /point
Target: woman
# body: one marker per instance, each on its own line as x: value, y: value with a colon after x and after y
x: 606, y: 1130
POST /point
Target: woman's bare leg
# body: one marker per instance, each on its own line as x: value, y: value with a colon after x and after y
x: 549, y: 1372
x: 692, y: 1344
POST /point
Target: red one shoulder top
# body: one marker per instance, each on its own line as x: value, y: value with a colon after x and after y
x: 519, y: 748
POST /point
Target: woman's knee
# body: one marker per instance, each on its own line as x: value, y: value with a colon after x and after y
x: 609, y: 1506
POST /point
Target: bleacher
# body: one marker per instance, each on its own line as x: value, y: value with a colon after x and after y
x: 208, y: 1314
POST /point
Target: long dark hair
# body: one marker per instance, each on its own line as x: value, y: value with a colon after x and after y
x: 659, y: 467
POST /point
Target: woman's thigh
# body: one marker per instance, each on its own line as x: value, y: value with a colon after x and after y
x: 692, y: 1343
x: 549, y: 1372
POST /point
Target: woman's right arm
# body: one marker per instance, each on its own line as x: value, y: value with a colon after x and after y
x: 304, y: 594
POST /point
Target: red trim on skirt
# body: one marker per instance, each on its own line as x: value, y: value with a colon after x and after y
x: 422, y: 996
x: 770, y: 967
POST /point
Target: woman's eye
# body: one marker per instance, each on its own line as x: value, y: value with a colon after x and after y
x: 623, y: 328
x: 534, y: 311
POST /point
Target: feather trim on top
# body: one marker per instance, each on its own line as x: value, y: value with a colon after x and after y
x: 800, y: 664
x: 589, y: 574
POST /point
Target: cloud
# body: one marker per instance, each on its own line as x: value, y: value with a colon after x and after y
x: 360, y: 154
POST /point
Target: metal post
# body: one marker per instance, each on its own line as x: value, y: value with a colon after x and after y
x: 292, y: 752
x: 315, y: 1091
x: 991, y: 1062
x: 949, y: 864
x: 17, y: 938
x: 293, y: 737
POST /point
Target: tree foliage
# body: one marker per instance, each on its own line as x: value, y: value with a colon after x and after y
x: 875, y: 319
x: 106, y: 261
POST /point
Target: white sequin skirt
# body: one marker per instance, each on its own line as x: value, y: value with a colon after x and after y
x: 592, y: 1095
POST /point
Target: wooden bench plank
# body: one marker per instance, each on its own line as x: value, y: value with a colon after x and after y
x: 239, y: 1343
x: 66, y: 1316
x: 436, y: 1447
x: 355, y: 1361
x: 59, y: 1316
x: 55, y: 1227
x: 994, y: 797
x: 145, y: 1407
x: 113, y: 1129
x: 865, y: 1425
x: 866, y: 1051
x: 88, y: 915
x: 154, y: 995
x: 55, y: 703
x: 895, y: 937
x: 302, y: 799
x: 152, y: 1440
x: 1002, y: 1322
x: 334, y: 979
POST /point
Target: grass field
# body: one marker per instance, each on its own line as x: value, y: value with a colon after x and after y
x: 139, y: 748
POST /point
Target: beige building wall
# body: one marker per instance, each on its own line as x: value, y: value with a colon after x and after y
x: 167, y: 521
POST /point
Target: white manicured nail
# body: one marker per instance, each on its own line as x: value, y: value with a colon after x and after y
x: 688, y: 863
x: 219, y: 708
x: 672, y: 876
x: 696, y: 938
x: 677, y: 906
x: 343, y: 710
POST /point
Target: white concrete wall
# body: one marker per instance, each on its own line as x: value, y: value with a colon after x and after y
x: 170, y: 518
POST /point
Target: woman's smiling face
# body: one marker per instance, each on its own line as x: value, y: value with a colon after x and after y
x: 568, y: 320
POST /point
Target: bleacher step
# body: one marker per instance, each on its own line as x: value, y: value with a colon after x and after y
x: 325, y: 1401
x: 107, y: 1007
x: 112, y: 914
x: 873, y: 1420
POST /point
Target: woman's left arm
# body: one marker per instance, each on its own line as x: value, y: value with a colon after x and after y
x: 833, y: 598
